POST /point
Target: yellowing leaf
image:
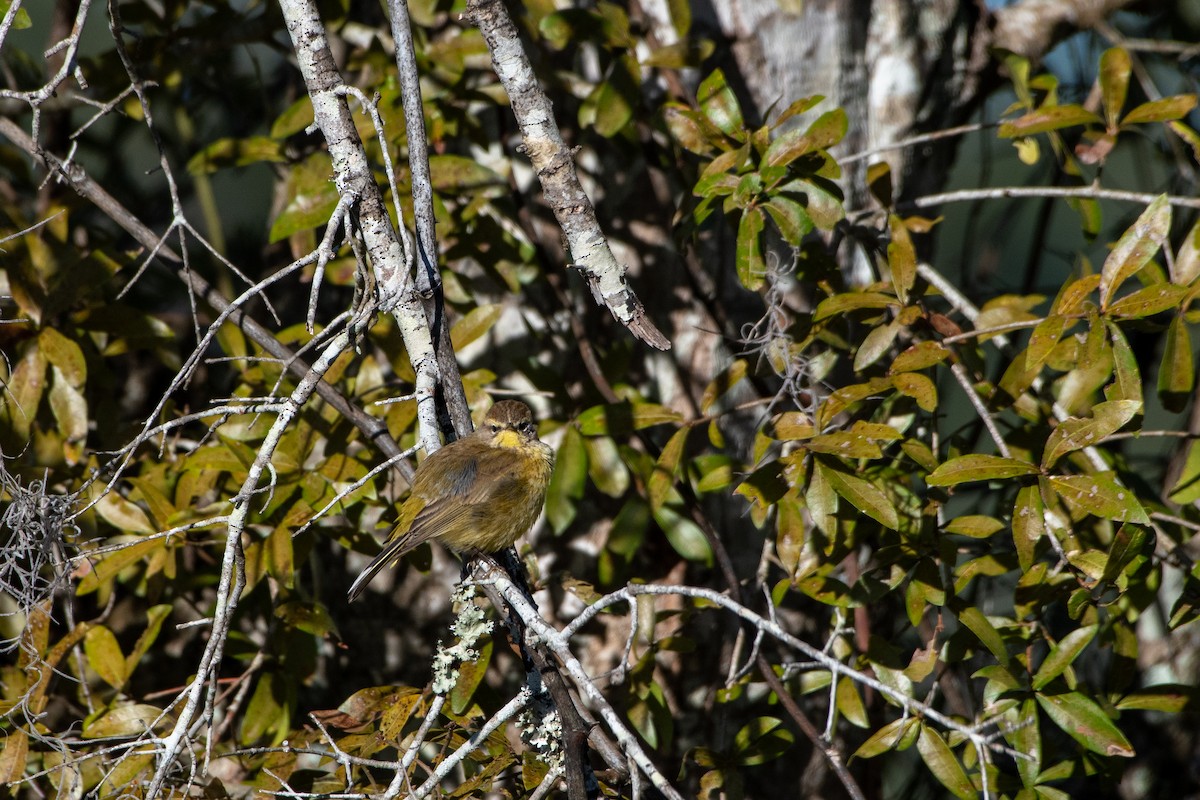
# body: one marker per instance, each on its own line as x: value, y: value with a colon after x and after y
x: 852, y: 301
x: 977, y: 526
x: 1076, y: 434
x: 919, y: 388
x: 1149, y: 301
x: 920, y: 356
x: 104, y: 656
x: 979, y: 467
x: 1100, y: 495
x: 1135, y: 247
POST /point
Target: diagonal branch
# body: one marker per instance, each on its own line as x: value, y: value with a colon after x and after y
x: 551, y: 159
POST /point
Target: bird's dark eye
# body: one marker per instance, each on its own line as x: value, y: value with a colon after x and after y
x: 495, y: 428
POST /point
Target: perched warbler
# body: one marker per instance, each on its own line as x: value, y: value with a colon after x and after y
x: 477, y: 494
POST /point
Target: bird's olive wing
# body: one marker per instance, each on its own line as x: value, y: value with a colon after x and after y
x: 467, y: 501
x: 449, y: 472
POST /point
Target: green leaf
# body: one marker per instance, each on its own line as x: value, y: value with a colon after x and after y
x: 155, y: 616
x: 452, y: 174
x: 1185, y: 267
x: 108, y: 566
x: 1043, y: 340
x: 470, y: 675
x: 1135, y: 248
x: 621, y: 419
x: 797, y: 107
x: 1187, y: 488
x: 751, y: 268
x: 1115, y: 67
x: 662, y: 479
x: 684, y: 535
x: 1071, y: 298
x: 983, y: 629
x: 1128, y: 384
x: 976, y: 526
x: 1063, y: 654
x: 852, y: 301
x: 476, y: 323
x: 886, y: 738
x: 720, y: 105
x: 311, y: 198
x: 691, y: 129
x: 69, y: 407
x: 1164, y: 110
x: 821, y: 199
x: 821, y: 500
x: 1047, y: 118
x: 863, y: 495
x: 850, y: 703
x: 1028, y: 524
x: 826, y: 131
x: 1076, y: 434
x: 846, y: 444
x: 267, y: 713
x: 684, y: 53
x: 1171, y: 698
x: 124, y: 515
x: 1086, y: 723
x: 875, y: 344
x: 21, y: 19
x: 978, y: 467
x: 902, y: 258
x: 728, y: 378
x: 104, y: 656
x: 1100, y: 495
x: 310, y: 616
x: 66, y: 355
x: 1177, y: 374
x: 793, y: 221
x: 761, y: 740
x: 133, y: 719
x: 612, y: 104
x: 567, y: 481
x: 1148, y: 301
x: 1127, y: 545
x: 295, y: 118
x: 605, y: 466
x: 941, y: 761
x: 1025, y: 736
x: 225, y: 153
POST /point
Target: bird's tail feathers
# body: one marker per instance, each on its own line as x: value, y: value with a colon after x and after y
x: 392, y: 551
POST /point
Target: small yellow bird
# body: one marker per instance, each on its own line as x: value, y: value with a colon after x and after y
x: 477, y: 494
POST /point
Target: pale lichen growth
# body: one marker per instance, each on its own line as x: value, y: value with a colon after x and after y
x: 541, y: 729
x: 469, y: 627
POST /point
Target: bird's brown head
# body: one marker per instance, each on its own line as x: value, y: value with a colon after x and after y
x: 509, y: 423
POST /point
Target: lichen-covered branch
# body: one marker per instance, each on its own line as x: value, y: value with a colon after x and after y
x: 551, y: 159
x: 390, y: 264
